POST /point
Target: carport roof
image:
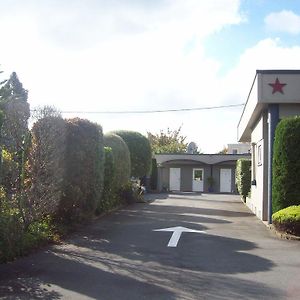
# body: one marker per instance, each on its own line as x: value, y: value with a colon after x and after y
x: 209, y: 159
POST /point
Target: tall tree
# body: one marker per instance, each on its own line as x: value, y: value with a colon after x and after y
x: 13, y: 102
x: 169, y: 141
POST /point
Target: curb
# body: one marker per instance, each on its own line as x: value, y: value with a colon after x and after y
x: 283, y: 235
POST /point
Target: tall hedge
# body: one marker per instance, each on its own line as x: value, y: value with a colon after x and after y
x: 46, y: 166
x: 108, y: 193
x: 243, y: 177
x: 121, y: 157
x: 153, y: 178
x: 286, y: 164
x: 140, y: 152
x: 84, y: 170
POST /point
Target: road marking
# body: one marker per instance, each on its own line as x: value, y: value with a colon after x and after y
x: 177, y: 231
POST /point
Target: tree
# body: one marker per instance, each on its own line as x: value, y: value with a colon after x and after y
x: 46, y: 111
x: 223, y: 151
x: 13, y: 102
x: 169, y: 141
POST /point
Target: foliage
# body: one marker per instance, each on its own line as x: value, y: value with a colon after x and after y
x: 11, y: 229
x: 46, y: 166
x: 108, y: 193
x: 243, y: 177
x: 13, y: 102
x: 121, y: 157
x: 15, y: 238
x: 140, y: 152
x: 153, y: 177
x: 223, y: 151
x: 129, y: 193
x: 288, y: 220
x: 9, y: 172
x: 286, y: 164
x: 46, y: 111
x: 170, y: 141
x: 84, y: 161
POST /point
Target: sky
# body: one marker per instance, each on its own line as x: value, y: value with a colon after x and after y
x: 137, y: 55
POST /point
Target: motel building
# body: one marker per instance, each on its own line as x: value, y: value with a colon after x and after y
x: 274, y: 95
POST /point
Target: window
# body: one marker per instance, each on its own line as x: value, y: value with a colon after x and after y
x: 198, y: 175
x: 234, y: 151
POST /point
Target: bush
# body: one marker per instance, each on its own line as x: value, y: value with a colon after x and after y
x: 83, y: 180
x: 243, y: 177
x: 140, y: 152
x: 121, y: 157
x: 46, y: 167
x: 286, y: 164
x: 11, y: 229
x: 9, y: 172
x: 108, y: 194
x: 153, y: 178
x: 288, y: 220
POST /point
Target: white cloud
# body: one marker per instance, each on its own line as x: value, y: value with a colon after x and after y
x: 283, y: 21
x: 134, y: 57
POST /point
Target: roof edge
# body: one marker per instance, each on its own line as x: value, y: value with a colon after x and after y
x: 295, y: 71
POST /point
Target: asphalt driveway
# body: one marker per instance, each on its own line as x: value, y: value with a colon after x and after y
x: 230, y: 255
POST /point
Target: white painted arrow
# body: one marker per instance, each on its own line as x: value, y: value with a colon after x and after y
x: 177, y: 231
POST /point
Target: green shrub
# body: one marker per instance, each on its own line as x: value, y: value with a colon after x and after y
x: 11, y: 229
x: 140, y: 152
x: 121, y: 157
x: 46, y: 167
x: 288, y: 220
x: 243, y: 177
x: 286, y: 164
x: 153, y: 178
x: 108, y: 194
x: 83, y: 181
x: 129, y: 193
x: 9, y: 172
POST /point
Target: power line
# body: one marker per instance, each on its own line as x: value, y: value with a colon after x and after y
x: 151, y: 111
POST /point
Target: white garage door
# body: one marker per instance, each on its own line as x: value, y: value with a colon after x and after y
x: 174, y: 179
x: 225, y: 180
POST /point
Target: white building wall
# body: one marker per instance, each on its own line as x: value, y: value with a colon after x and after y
x: 242, y: 148
x: 255, y: 202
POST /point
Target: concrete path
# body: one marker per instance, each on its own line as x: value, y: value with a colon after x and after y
x: 121, y: 257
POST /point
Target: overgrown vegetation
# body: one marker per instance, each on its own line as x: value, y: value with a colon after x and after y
x: 288, y: 220
x: 58, y: 173
x: 286, y: 164
x: 243, y: 177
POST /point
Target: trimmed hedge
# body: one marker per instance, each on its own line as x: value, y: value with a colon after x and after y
x: 140, y: 152
x: 288, y: 220
x: 121, y: 157
x: 108, y: 195
x: 243, y: 177
x: 153, y: 178
x: 286, y: 164
x: 84, y: 170
x: 46, y: 166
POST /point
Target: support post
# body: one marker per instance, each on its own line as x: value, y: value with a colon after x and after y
x: 273, y: 119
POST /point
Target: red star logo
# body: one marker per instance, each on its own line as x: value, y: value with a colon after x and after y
x: 277, y: 86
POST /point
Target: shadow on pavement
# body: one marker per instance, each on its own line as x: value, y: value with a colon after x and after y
x: 121, y: 257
